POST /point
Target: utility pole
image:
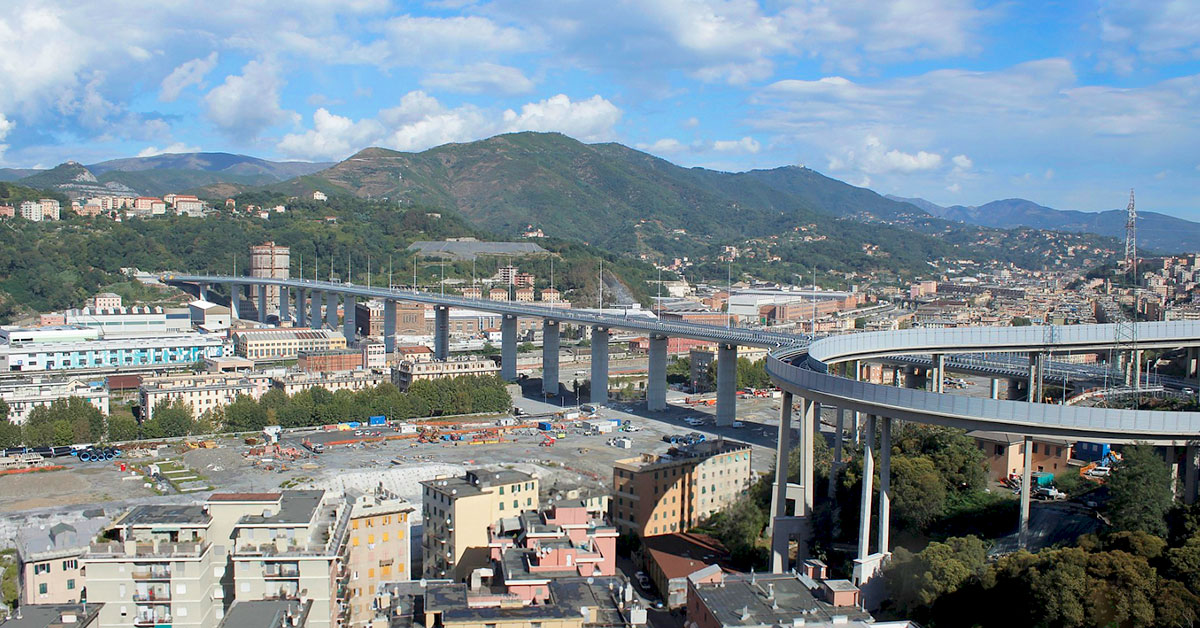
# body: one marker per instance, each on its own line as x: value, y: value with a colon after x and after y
x: 600, y: 301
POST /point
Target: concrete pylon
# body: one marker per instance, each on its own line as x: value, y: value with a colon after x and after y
x: 202, y: 291
x: 550, y: 339
x: 261, y: 306
x: 1026, y: 472
x: 885, y: 485
x: 599, y: 385
x: 868, y: 481
x: 301, y: 309
x: 441, y: 332
x: 235, y: 301
x: 284, y: 305
x: 508, y: 348
x: 314, y: 319
x: 726, y: 384
x: 656, y: 384
x: 779, y: 541
x: 350, y: 319
x: 389, y: 326
x: 331, y: 305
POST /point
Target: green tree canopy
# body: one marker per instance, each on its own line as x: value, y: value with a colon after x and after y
x: 1140, y: 491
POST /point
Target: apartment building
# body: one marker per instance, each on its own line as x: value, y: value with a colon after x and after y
x: 292, y: 383
x: 1004, y: 453
x: 156, y: 568
x: 23, y: 395
x: 330, y: 361
x: 56, y: 616
x: 51, y: 209
x: 379, y: 548
x: 50, y: 571
x: 203, y: 392
x: 371, y: 315
x: 564, y: 541
x: 409, y: 371
x: 661, y: 494
x: 284, y: 344
x: 31, y: 211
x: 459, y: 511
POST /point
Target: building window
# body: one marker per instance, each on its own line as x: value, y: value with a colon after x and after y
x: 70, y: 584
x: 41, y: 569
x: 42, y: 588
x: 70, y: 564
x: 1035, y: 448
x: 999, y: 450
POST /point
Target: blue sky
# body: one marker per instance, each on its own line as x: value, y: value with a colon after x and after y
x: 959, y: 101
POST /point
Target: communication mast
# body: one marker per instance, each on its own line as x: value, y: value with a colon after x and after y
x: 1131, y: 241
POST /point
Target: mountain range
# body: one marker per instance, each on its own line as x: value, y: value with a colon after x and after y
x: 1155, y: 231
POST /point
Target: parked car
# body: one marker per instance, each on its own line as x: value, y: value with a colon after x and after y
x: 1100, y: 472
x: 737, y: 425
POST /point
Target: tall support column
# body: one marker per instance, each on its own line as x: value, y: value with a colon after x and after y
x: 508, y: 348
x: 301, y: 309
x: 868, y: 480
x: 202, y: 292
x: 838, y: 437
x: 726, y: 384
x: 939, y: 382
x: 857, y: 422
x: 389, y: 326
x: 261, y: 306
x: 995, y: 388
x: 550, y: 329
x: 1189, y: 473
x: 284, y: 305
x: 1192, y: 363
x: 441, y: 332
x: 1136, y: 369
x: 599, y: 365
x: 349, y: 319
x: 331, y: 305
x: 809, y: 432
x: 656, y: 384
x: 885, y: 485
x: 779, y: 541
x: 314, y: 319
x: 1026, y: 471
x: 235, y: 301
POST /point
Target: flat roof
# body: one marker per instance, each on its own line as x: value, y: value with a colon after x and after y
x: 265, y: 613
x: 146, y: 516
x: 295, y: 507
x: 244, y: 497
x: 51, y: 615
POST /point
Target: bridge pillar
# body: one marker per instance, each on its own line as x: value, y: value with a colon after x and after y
x: 349, y: 319
x: 1191, y: 364
x: 441, y: 332
x: 331, y: 304
x: 284, y: 305
x: 939, y: 375
x: 202, y: 292
x: 868, y: 478
x: 885, y: 485
x: 508, y: 348
x: 857, y: 417
x: 1026, y: 471
x: 301, y: 309
x: 235, y: 301
x: 550, y: 331
x: 656, y: 384
x: 314, y: 319
x: 779, y: 540
x: 809, y: 432
x: 726, y: 384
x: 261, y: 305
x: 1189, y: 473
x: 599, y: 365
x: 389, y: 326
x: 995, y: 388
x: 836, y: 469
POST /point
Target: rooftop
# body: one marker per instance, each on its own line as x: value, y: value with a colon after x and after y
x: 295, y: 508
x: 149, y: 516
x: 768, y: 600
x: 266, y: 613
x: 55, y: 616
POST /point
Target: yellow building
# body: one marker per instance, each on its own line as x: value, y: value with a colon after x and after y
x: 284, y: 344
x: 409, y: 371
x: 655, y: 494
x: 458, y: 511
x: 379, y: 542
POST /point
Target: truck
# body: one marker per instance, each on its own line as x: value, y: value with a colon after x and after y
x: 377, y: 420
x: 316, y: 448
x: 1041, y: 479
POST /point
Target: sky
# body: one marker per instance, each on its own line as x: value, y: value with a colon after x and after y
x: 1067, y: 103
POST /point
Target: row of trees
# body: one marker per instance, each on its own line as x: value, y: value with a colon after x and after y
x: 1143, y: 571
x: 71, y: 421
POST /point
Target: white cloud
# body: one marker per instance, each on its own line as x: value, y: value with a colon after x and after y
x: 480, y: 78
x: 177, y: 147
x: 248, y: 103
x: 1147, y: 32
x: 589, y: 120
x: 954, y: 187
x: 873, y: 157
x: 420, y: 121
x: 410, y: 40
x: 664, y: 146
x: 962, y: 162
x: 188, y: 73
x: 6, y: 127
x: 691, y: 123
x: 745, y: 145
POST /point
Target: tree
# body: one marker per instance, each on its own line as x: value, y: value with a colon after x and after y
x: 122, y: 427
x: 172, y: 418
x: 918, y: 491
x: 1140, y: 491
x: 739, y: 527
x: 918, y: 580
x: 1020, y: 321
x: 245, y: 415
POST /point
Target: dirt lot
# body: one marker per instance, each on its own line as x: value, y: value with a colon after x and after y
x: 80, y: 483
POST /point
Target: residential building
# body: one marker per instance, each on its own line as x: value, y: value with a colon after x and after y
x: 668, y: 560
x: 662, y: 494
x: 413, y: 353
x: 49, y: 569
x: 8, y: 211
x: 1005, y: 453
x: 379, y: 548
x: 524, y: 294
x: 498, y: 294
x: 374, y: 354
x: 292, y: 383
x: 719, y: 600
x: 284, y: 344
x: 459, y: 511
x: 56, y: 616
x: 330, y: 360
x: 31, y: 210
x: 203, y: 392
x: 474, y: 322
x: 550, y: 295
x: 407, y: 371
x: 563, y: 541
x: 166, y: 351
x: 286, y: 613
x: 158, y: 566
x: 104, y: 301
x: 472, y: 292
x: 51, y: 210
x: 22, y: 396
x: 318, y: 195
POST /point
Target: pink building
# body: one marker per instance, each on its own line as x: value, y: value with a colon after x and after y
x: 564, y: 541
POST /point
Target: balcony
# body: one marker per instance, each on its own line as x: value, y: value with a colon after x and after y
x: 157, y: 595
x: 152, y: 620
x: 282, y: 571
x: 151, y: 573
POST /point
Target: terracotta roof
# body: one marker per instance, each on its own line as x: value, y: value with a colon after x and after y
x: 680, y: 555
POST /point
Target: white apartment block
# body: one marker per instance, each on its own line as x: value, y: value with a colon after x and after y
x: 31, y: 211
x: 202, y: 392
x: 22, y: 396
